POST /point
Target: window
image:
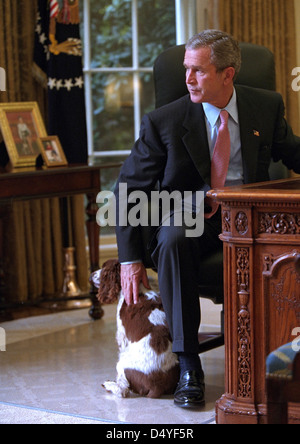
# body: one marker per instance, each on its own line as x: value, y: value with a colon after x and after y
x: 122, y: 39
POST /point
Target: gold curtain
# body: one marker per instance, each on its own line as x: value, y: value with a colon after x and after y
x: 33, y: 244
x: 270, y: 23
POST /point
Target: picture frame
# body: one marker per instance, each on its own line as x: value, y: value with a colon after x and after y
x: 21, y: 126
x: 52, y: 151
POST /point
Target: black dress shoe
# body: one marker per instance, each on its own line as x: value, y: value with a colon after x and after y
x: 190, y: 392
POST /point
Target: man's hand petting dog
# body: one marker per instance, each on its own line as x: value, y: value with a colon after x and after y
x: 131, y: 277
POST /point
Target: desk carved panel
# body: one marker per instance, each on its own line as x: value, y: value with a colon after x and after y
x: 282, y: 290
x: 279, y: 223
x: 244, y: 324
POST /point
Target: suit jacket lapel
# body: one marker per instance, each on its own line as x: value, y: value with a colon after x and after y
x: 249, y: 131
x: 196, y: 141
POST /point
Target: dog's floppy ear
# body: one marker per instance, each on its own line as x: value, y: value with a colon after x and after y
x: 110, y: 282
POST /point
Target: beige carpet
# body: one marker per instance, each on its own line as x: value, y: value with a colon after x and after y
x: 54, y: 366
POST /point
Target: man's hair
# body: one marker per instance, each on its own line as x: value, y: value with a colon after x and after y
x: 225, y: 50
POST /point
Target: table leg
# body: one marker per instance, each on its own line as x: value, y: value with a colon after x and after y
x: 5, y: 315
x: 1, y: 255
x: 2, y: 298
x: 93, y: 230
x: 4, y: 211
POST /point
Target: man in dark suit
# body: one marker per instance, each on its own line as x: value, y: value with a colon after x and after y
x: 175, y: 150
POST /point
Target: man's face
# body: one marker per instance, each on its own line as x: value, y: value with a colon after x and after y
x: 204, y: 83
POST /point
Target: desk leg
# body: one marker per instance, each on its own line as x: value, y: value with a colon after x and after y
x: 93, y: 230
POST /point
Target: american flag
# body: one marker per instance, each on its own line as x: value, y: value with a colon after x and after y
x: 54, y: 8
x: 63, y: 77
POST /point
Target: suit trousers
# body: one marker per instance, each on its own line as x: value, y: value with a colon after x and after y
x: 177, y: 259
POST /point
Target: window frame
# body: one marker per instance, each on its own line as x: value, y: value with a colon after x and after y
x: 183, y: 10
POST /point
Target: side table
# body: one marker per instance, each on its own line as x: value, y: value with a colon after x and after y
x: 59, y: 182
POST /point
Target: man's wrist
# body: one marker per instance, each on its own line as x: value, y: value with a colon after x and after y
x: 132, y: 262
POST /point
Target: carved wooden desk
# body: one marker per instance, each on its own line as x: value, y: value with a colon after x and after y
x: 261, y: 235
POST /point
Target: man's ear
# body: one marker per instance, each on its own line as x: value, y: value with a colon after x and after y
x: 229, y: 74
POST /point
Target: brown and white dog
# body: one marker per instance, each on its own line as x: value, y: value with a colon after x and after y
x: 147, y: 366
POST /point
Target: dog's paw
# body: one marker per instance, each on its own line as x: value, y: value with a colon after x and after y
x: 113, y: 387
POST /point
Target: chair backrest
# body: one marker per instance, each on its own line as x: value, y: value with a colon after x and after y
x: 258, y: 71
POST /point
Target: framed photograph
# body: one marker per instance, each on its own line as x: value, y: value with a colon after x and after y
x: 52, y: 151
x: 21, y: 126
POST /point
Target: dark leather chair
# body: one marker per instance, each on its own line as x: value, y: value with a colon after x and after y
x: 282, y: 382
x: 258, y: 70
x: 283, y: 378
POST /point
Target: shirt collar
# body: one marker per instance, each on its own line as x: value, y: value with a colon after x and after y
x: 212, y: 113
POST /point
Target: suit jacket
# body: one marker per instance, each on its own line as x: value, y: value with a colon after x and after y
x: 173, y: 151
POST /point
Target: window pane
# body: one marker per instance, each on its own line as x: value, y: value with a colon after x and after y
x: 113, y: 111
x: 114, y: 95
x: 147, y: 93
x: 157, y: 29
x: 109, y: 177
x: 111, y: 33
